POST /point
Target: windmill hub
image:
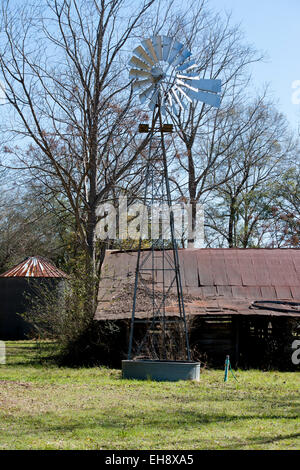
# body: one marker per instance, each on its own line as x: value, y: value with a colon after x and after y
x: 157, y: 74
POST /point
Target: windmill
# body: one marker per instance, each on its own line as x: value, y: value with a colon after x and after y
x: 167, y: 80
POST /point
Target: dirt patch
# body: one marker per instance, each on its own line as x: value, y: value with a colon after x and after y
x: 15, y: 383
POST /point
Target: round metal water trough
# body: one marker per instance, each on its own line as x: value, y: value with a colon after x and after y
x: 171, y: 371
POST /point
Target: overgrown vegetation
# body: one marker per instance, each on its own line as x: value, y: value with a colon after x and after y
x: 63, y: 313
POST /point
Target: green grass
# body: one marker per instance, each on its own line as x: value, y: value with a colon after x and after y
x: 47, y: 407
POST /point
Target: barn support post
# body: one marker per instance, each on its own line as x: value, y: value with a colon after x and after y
x: 237, y: 341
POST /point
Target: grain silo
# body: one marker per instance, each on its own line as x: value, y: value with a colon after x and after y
x: 16, y: 285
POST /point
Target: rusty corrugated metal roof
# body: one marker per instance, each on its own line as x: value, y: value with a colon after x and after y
x: 214, y: 281
x: 35, y: 266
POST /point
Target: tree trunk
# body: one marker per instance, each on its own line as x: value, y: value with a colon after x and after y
x: 192, y: 195
x: 231, y: 224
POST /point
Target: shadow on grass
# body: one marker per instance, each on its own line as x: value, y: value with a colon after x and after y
x: 30, y: 353
x: 112, y: 420
x: 268, y: 440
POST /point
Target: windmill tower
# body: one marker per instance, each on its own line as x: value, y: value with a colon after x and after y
x: 166, y: 79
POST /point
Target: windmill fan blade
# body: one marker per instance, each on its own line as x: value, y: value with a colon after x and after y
x: 139, y: 63
x: 182, y: 56
x: 153, y: 101
x: 207, y: 98
x: 143, y: 96
x: 206, y: 85
x: 184, y: 94
x: 190, y: 74
x: 186, y: 84
x: 140, y: 52
x: 172, y: 104
x: 187, y: 65
x: 176, y: 48
x: 150, y: 49
x: 178, y: 100
x: 166, y: 44
x: 190, y: 70
x: 135, y: 73
x: 156, y: 40
x: 141, y: 83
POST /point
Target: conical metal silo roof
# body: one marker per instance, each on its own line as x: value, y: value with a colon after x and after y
x: 35, y: 266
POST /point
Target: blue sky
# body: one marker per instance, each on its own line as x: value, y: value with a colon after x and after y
x: 272, y: 26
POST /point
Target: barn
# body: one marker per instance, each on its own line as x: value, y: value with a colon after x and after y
x: 241, y: 302
x: 16, y: 285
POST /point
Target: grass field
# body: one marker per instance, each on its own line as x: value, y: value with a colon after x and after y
x: 47, y: 407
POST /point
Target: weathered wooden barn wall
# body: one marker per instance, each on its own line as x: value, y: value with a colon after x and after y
x: 257, y: 342
x: 252, y: 342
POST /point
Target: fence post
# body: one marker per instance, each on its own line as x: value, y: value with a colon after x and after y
x: 227, y: 362
x: 2, y: 352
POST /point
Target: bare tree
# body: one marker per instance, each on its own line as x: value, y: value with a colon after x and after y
x: 258, y: 158
x: 281, y: 221
x: 62, y: 63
